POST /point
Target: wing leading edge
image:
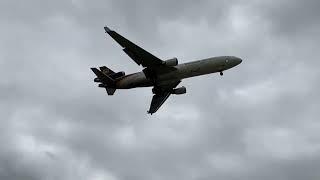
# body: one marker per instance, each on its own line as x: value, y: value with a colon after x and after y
x: 139, y: 55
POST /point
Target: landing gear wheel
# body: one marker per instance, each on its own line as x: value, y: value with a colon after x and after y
x: 221, y: 73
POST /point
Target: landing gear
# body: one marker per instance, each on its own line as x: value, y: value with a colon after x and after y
x: 221, y: 73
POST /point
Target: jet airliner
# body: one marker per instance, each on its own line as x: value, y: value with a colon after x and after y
x: 163, y: 75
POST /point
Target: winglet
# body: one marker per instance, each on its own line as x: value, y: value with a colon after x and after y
x: 107, y: 29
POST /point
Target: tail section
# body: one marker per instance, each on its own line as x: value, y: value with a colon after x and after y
x: 106, y: 70
x: 112, y: 74
x: 103, y: 78
x: 107, y: 78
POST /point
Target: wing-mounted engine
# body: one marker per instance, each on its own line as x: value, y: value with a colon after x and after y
x: 165, y: 67
x: 171, y: 62
x: 180, y: 90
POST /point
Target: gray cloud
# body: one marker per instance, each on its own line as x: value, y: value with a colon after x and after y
x: 258, y: 121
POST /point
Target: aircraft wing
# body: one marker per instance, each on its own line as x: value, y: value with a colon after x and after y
x: 160, y: 97
x: 139, y: 55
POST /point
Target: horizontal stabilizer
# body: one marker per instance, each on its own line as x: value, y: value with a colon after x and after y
x: 107, y: 29
x: 106, y: 70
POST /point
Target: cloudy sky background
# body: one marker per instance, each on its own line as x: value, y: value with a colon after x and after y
x: 259, y: 121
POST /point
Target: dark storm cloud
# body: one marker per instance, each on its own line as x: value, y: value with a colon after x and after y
x: 258, y: 121
x: 291, y: 17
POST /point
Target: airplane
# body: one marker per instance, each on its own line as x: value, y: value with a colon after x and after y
x: 163, y: 75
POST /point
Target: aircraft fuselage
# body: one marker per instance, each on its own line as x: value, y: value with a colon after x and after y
x: 185, y: 70
x: 163, y: 75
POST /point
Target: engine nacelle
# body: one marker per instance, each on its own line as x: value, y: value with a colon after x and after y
x: 117, y: 75
x: 180, y: 90
x: 171, y: 62
x: 96, y: 80
x: 102, y: 85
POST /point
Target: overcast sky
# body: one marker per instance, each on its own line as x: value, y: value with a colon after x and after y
x: 259, y: 121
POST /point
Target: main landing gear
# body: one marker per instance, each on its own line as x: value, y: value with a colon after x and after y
x: 221, y: 73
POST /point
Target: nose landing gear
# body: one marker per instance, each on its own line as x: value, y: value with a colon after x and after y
x: 221, y: 73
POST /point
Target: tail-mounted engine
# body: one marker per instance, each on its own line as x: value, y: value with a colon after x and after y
x: 96, y: 80
x: 112, y: 75
x: 117, y: 75
x: 102, y: 85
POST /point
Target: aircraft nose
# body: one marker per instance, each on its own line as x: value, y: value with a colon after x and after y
x: 233, y: 61
x: 238, y: 60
